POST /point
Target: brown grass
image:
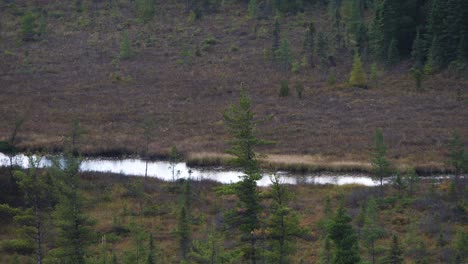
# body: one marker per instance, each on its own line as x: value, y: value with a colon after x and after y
x: 73, y: 74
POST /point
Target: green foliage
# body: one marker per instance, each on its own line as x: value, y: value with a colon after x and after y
x: 73, y: 224
x: 276, y: 37
x: 418, y: 76
x: 374, y: 74
x: 331, y: 78
x: 283, y: 55
x: 457, y: 158
x: 395, y: 254
x: 283, y: 224
x: 358, y: 76
x: 393, y: 56
x: 241, y: 125
x: 371, y: 231
x: 345, y: 242
x: 253, y: 9
x: 125, y: 47
x: 299, y: 90
x: 418, y: 53
x: 309, y: 44
x: 184, y: 232
x: 20, y: 246
x: 28, y: 25
x: 145, y: 10
x: 284, y: 89
x: 411, y: 180
x: 380, y: 164
x: 321, y: 49
x: 211, y: 250
x: 7, y: 213
x: 460, y: 245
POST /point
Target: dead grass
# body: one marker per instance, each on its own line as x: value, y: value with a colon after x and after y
x: 67, y: 76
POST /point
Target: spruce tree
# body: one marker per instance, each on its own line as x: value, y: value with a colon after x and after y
x: 309, y: 44
x: 371, y: 231
x: 283, y: 55
x: 417, y: 53
x: 125, y: 48
x: 38, y: 196
x: 73, y: 224
x: 145, y: 9
x: 395, y: 254
x: 358, y: 76
x: 321, y: 50
x: 283, y: 224
x: 28, y: 26
x: 253, y: 9
x: 241, y: 123
x: 380, y: 164
x: 345, y: 242
x: 184, y: 232
x: 393, y: 55
x: 276, y: 37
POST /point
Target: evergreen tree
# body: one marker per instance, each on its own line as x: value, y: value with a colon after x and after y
x: 326, y: 251
x: 145, y: 9
x: 342, y: 234
x: 460, y: 245
x: 322, y: 49
x: 253, y: 9
x: 371, y: 231
x: 184, y: 232
x: 393, y: 54
x: 458, y: 160
x: 418, y: 76
x: 28, y: 25
x: 276, y: 37
x: 380, y: 164
x: 411, y: 179
x: 152, y: 254
x: 38, y: 199
x: 283, y: 224
x: 242, y: 127
x: 211, y: 250
x: 384, y: 28
x: 395, y: 255
x: 125, y: 48
x: 417, y: 53
x: 309, y: 44
x: 71, y: 220
x: 283, y: 54
x: 358, y: 76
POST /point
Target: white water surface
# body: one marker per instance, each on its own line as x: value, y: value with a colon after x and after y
x: 164, y: 171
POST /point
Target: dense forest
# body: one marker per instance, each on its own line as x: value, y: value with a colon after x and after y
x: 373, y: 86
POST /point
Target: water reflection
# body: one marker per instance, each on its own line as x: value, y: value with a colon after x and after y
x: 163, y: 170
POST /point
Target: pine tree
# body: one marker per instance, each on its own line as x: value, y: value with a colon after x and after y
x: 242, y: 127
x: 411, y: 179
x: 309, y: 44
x: 28, y: 26
x: 146, y: 10
x: 393, y: 55
x: 71, y: 220
x: 418, y: 76
x: 380, y: 164
x: 184, y: 232
x: 322, y: 49
x: 395, y: 255
x: 384, y: 28
x: 276, y: 37
x: 342, y: 234
x: 283, y: 54
x: 152, y: 254
x: 371, y: 231
x: 283, y: 224
x: 38, y: 199
x: 253, y: 9
x: 125, y: 48
x: 358, y: 76
x: 417, y: 53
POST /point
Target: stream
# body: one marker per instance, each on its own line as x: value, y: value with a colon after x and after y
x: 163, y: 170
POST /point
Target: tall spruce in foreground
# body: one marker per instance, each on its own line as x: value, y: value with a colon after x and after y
x: 37, y: 193
x: 73, y: 224
x: 283, y: 224
x: 342, y: 234
x: 241, y: 124
x: 380, y: 164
